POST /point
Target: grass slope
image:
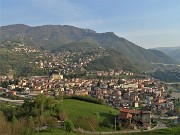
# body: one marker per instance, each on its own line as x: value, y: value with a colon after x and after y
x: 76, y: 108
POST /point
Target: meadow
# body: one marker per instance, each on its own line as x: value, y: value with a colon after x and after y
x: 77, y: 110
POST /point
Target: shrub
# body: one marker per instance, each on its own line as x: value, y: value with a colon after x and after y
x: 69, y: 126
x: 87, y: 99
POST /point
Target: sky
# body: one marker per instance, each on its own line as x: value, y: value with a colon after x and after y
x: 147, y: 23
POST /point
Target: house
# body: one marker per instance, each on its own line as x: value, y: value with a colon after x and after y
x: 55, y: 76
x: 100, y: 73
x: 135, y: 116
x: 11, y: 93
x: 11, y: 87
x: 131, y: 85
x: 135, y: 104
x: 37, y: 91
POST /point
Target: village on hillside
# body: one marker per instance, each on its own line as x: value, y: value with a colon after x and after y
x: 138, y: 100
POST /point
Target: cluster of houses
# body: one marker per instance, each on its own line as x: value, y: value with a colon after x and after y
x: 68, y: 61
x: 109, y: 73
x: 21, y: 47
x: 124, y: 93
x: 24, y: 49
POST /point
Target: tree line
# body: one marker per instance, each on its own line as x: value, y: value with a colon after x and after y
x: 32, y: 116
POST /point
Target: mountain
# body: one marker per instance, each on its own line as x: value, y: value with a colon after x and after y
x: 57, y: 37
x: 173, y: 52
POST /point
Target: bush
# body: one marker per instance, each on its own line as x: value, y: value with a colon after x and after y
x: 106, y: 123
x: 69, y: 126
x: 87, y: 99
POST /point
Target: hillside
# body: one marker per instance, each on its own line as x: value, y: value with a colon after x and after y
x: 53, y: 37
x: 173, y: 52
x: 18, y: 63
x: 114, y: 59
x: 81, y: 113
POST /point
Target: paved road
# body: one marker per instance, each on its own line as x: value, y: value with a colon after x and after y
x: 11, y: 101
x: 160, y: 125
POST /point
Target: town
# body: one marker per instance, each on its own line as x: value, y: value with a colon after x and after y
x: 139, y: 98
x: 127, y: 95
x: 95, y: 67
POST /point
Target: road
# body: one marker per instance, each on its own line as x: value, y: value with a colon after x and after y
x: 19, y: 102
x: 160, y: 125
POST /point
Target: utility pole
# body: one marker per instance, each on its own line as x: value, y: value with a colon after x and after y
x: 62, y: 93
x: 115, y: 124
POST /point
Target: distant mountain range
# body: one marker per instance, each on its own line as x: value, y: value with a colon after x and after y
x: 173, y: 52
x: 122, y: 53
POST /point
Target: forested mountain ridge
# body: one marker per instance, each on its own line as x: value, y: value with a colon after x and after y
x: 56, y: 37
x: 173, y: 52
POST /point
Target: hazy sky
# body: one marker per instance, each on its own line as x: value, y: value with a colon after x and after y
x: 148, y: 23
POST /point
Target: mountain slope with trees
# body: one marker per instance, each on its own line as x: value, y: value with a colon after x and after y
x: 53, y: 37
x: 173, y: 52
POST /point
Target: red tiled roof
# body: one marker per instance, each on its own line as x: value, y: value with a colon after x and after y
x: 130, y: 111
x: 125, y: 115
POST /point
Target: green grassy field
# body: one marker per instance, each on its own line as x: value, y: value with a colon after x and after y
x: 76, y: 109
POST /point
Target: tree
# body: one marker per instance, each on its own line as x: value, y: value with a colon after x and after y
x: 50, y: 104
x: 30, y: 125
x: 119, y: 82
x: 69, y: 126
x: 170, y: 91
x: 51, y: 122
x: 27, y: 107
x: 57, y: 108
x: 106, y: 123
x: 14, y: 120
x: 16, y: 126
x: 40, y: 121
x: 40, y: 101
x: 63, y: 115
x: 5, y: 127
x: 98, y: 83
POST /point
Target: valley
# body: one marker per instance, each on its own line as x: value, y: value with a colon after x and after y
x: 73, y: 78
